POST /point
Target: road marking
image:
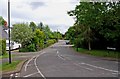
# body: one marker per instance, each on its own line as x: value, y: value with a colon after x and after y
x: 99, y: 67
x: 11, y: 76
x: 16, y: 74
x: 83, y: 67
x: 37, y: 66
x: 60, y: 56
x: 30, y: 74
x: 28, y: 63
x: 57, y: 52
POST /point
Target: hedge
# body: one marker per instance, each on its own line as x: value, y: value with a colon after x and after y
x: 2, y: 46
x: 51, y: 41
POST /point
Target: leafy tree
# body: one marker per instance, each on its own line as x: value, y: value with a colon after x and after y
x: 22, y: 33
x: 97, y: 22
x: 38, y: 39
x: 1, y: 20
x: 40, y: 26
x: 33, y: 26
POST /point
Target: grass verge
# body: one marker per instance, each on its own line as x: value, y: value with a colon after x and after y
x: 5, y: 56
x: 101, y: 53
x: 5, y: 67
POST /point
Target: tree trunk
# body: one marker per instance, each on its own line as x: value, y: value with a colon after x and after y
x: 89, y: 45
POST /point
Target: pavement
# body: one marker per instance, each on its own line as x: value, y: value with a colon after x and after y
x: 60, y: 60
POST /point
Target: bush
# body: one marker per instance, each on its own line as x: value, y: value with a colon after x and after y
x: 2, y: 46
x: 31, y: 48
x: 51, y: 41
x: 23, y: 50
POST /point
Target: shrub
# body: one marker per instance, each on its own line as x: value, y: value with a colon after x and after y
x: 23, y: 50
x: 51, y: 41
x: 2, y: 46
x: 31, y: 48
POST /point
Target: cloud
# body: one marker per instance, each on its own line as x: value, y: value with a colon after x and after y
x: 61, y: 28
x: 50, y: 12
x: 35, y: 5
x: 74, y: 1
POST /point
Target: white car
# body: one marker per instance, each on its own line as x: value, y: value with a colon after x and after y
x: 13, y: 45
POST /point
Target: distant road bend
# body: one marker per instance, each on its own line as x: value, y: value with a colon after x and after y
x: 60, y: 60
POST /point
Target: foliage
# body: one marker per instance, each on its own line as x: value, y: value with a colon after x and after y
x: 41, y: 36
x: 98, y: 24
x: 101, y: 53
x: 33, y: 37
x: 1, y: 21
x: 50, y: 42
x: 40, y: 26
x: 2, y: 46
x: 22, y: 33
x: 33, y: 26
x: 31, y: 48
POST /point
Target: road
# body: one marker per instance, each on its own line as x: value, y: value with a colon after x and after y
x: 60, y: 60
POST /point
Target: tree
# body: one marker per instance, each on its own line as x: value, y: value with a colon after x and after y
x: 33, y: 26
x: 38, y: 39
x: 1, y: 20
x: 99, y: 20
x: 22, y: 33
x: 40, y: 26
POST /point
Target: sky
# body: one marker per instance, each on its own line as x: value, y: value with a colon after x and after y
x: 49, y: 12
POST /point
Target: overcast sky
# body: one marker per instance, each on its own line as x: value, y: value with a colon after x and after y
x: 50, y: 12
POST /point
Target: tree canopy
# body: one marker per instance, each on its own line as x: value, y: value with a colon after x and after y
x: 97, y: 23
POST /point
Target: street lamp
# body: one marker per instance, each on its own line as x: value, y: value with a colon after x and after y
x: 9, y: 30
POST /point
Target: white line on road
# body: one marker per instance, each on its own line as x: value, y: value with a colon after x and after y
x: 60, y: 56
x: 99, y: 67
x: 57, y: 52
x: 30, y: 74
x: 37, y: 66
x: 28, y: 63
x: 83, y: 67
x: 16, y: 74
x: 11, y: 75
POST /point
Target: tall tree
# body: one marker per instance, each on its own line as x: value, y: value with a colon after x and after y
x: 98, y: 19
x: 22, y: 33
x: 33, y: 26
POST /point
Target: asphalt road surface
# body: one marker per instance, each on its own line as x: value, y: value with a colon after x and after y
x: 60, y: 60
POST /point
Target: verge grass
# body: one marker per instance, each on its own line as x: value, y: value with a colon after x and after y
x: 5, y: 67
x: 101, y: 53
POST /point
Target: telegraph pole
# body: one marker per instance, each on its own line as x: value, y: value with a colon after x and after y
x: 9, y: 31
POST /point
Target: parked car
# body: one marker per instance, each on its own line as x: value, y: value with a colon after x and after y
x: 67, y: 42
x: 13, y: 45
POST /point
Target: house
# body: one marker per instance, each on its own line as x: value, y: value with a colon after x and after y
x: 4, y: 35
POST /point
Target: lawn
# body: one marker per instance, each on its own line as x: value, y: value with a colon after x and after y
x: 102, y: 53
x: 9, y: 67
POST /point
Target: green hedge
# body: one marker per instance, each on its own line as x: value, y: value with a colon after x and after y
x: 33, y: 47
x: 2, y: 46
x: 51, y: 41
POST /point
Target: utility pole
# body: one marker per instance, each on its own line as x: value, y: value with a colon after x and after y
x: 9, y: 31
